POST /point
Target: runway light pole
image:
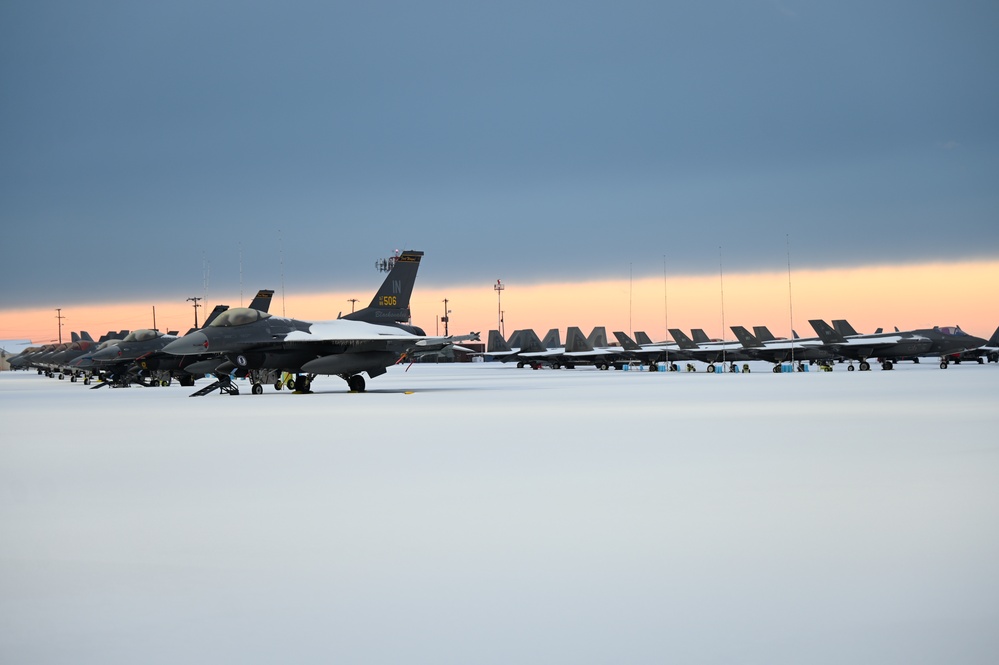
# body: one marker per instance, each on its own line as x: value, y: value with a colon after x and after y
x: 352, y: 301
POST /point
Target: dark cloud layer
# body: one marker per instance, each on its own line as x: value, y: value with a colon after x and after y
x: 530, y: 141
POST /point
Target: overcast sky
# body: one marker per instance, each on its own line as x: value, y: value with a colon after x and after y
x: 534, y: 141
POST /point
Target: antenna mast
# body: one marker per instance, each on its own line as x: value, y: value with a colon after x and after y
x: 281, y: 252
x: 666, y: 309
x: 721, y: 276
x: 239, y: 247
x: 790, y: 305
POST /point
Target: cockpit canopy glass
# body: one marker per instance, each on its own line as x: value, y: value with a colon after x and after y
x: 238, y: 316
x: 142, y: 335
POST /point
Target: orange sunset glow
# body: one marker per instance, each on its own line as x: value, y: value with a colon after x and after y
x: 909, y: 296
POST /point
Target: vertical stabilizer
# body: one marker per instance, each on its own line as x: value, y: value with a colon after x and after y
x: 763, y: 334
x: 575, y: 342
x: 552, y: 340
x: 529, y: 342
x: 843, y: 327
x: 681, y: 339
x: 598, y: 337
x: 626, y: 342
x: 642, y: 338
x: 391, y: 302
x: 745, y: 337
x: 699, y: 336
x: 262, y: 301
x: 826, y: 332
x: 496, y: 344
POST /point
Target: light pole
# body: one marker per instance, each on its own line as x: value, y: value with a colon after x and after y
x: 352, y: 301
x: 444, y: 318
x: 196, y: 306
x: 498, y: 287
x: 60, y: 317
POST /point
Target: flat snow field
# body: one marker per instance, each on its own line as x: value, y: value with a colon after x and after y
x: 482, y: 513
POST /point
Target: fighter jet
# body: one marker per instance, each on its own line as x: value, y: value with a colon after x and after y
x: 650, y: 352
x: 369, y: 340
x: 710, y: 352
x: 889, y: 347
x: 764, y: 346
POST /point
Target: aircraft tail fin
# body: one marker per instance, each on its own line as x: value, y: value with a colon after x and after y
x: 994, y: 340
x: 86, y: 336
x: 699, y: 336
x: 529, y: 342
x: 626, y: 342
x: 826, y: 332
x: 598, y: 337
x: 763, y: 334
x: 391, y: 302
x: 74, y: 337
x: 794, y: 333
x: 843, y: 327
x: 881, y: 330
x: 495, y: 343
x: 552, y: 340
x: 642, y: 338
x: 575, y: 341
x: 262, y: 301
x: 681, y: 339
x: 214, y: 313
x: 745, y: 337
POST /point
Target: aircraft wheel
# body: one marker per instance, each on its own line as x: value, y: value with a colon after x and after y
x: 711, y: 369
x: 257, y: 389
x: 943, y: 364
x: 86, y: 380
x: 356, y: 383
x: 994, y: 357
x: 865, y: 366
x: 981, y: 361
x: 72, y: 379
x: 556, y: 366
x: 520, y: 365
x: 849, y: 368
x: 302, y: 384
x: 290, y: 383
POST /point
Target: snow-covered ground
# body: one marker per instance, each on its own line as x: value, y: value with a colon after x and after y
x: 485, y: 514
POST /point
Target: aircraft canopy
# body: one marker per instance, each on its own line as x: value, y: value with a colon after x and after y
x: 238, y: 316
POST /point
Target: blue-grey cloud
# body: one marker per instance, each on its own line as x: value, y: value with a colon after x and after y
x: 529, y: 140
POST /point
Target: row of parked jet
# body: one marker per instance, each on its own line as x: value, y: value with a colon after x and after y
x: 249, y: 342
x: 838, y: 342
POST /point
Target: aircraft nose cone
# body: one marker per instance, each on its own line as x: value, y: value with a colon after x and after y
x: 188, y: 345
